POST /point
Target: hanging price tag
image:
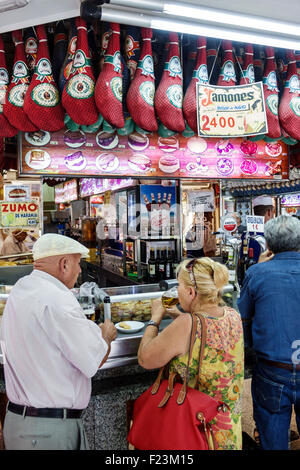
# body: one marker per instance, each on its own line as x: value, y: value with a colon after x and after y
x: 255, y: 223
x: 231, y: 111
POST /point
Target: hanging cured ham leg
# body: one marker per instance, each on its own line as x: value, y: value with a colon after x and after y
x: 6, y: 129
x: 78, y: 97
x: 168, y: 97
x: 42, y: 101
x: 271, y: 95
x: 13, y: 106
x: 140, y: 97
x: 227, y: 75
x: 199, y: 76
x: 248, y: 76
x: 289, y: 108
x: 108, y: 93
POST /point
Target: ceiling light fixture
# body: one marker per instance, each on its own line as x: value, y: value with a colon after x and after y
x: 130, y: 16
x: 211, y: 15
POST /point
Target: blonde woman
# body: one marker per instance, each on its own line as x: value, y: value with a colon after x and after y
x: 200, y: 282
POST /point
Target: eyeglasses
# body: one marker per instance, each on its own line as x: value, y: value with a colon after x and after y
x: 190, y: 268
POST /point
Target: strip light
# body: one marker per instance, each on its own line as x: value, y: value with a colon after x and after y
x: 158, y: 21
x: 211, y: 15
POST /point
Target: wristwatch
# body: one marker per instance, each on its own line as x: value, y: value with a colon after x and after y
x: 153, y: 323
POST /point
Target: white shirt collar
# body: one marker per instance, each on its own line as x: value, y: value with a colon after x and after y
x: 50, y: 278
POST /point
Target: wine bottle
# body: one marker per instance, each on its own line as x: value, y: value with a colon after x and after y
x: 152, y: 267
x: 168, y: 265
x: 175, y: 263
x: 161, y: 265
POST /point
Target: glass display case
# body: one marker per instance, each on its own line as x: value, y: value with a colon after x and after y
x: 128, y: 302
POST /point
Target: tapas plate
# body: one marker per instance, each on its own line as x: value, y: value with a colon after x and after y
x: 134, y: 326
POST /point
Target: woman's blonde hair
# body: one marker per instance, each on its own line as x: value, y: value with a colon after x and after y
x: 210, y: 277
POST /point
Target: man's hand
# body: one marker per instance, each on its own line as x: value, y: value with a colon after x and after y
x: 109, y: 331
x: 265, y: 256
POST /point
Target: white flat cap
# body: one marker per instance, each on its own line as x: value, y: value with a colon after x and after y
x: 52, y: 244
x: 263, y: 201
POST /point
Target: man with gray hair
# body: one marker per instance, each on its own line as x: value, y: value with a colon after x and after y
x: 270, y: 309
x: 51, y: 351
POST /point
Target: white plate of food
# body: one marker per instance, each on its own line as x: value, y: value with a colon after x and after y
x: 38, y: 138
x: 107, y: 162
x: 37, y: 159
x: 129, y: 326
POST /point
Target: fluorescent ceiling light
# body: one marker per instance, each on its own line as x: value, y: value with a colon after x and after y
x: 6, y: 5
x: 212, y: 15
x: 230, y: 18
x: 166, y: 23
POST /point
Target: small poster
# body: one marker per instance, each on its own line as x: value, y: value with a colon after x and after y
x: 158, y: 211
x: 19, y: 214
x: 16, y: 192
x: 201, y: 201
x: 233, y: 111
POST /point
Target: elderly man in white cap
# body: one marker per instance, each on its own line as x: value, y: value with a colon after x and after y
x: 51, y: 351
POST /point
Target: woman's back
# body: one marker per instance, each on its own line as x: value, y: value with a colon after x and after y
x: 222, y: 371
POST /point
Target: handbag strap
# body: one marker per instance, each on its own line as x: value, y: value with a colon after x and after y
x: 182, y: 392
x: 202, y: 345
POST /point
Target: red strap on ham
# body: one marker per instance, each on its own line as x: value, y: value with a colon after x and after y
x: 13, y: 106
x: 168, y: 97
x: 271, y: 95
x: 289, y: 108
x: 248, y: 67
x: 42, y: 101
x: 78, y: 96
x: 227, y: 75
x: 199, y: 76
x: 140, y: 96
x: 108, y: 93
x: 6, y: 129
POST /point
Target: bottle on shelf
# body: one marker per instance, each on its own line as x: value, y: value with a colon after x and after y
x: 148, y: 207
x: 231, y: 266
x: 169, y: 265
x: 152, y: 275
x: 153, y: 199
x: 161, y: 265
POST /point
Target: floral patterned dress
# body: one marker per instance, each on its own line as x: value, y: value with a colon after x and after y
x: 222, y: 372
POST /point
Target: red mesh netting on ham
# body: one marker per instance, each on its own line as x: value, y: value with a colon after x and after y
x: 42, y: 101
x: 248, y: 68
x: 289, y: 108
x: 6, y: 129
x: 109, y: 89
x: 168, y: 97
x: 13, y: 106
x: 199, y: 76
x: 271, y: 95
x: 140, y: 96
x: 227, y: 75
x: 78, y: 96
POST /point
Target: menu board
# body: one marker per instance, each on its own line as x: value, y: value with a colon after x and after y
x: 107, y: 155
x: 66, y: 192
x: 90, y: 186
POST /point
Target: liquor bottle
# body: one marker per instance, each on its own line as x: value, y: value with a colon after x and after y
x: 147, y: 202
x: 169, y: 265
x: 231, y: 266
x: 159, y: 199
x: 161, y: 265
x: 153, y: 199
x: 164, y: 199
x: 148, y: 207
x: 169, y: 200
x: 152, y: 267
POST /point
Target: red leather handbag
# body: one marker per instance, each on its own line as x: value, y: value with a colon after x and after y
x: 173, y: 416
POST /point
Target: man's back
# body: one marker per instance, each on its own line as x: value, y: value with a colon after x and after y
x: 271, y: 295
x: 51, y: 349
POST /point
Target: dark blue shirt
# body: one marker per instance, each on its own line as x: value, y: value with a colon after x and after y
x: 269, y: 305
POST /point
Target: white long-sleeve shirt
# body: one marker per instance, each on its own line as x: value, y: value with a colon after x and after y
x: 51, y: 349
